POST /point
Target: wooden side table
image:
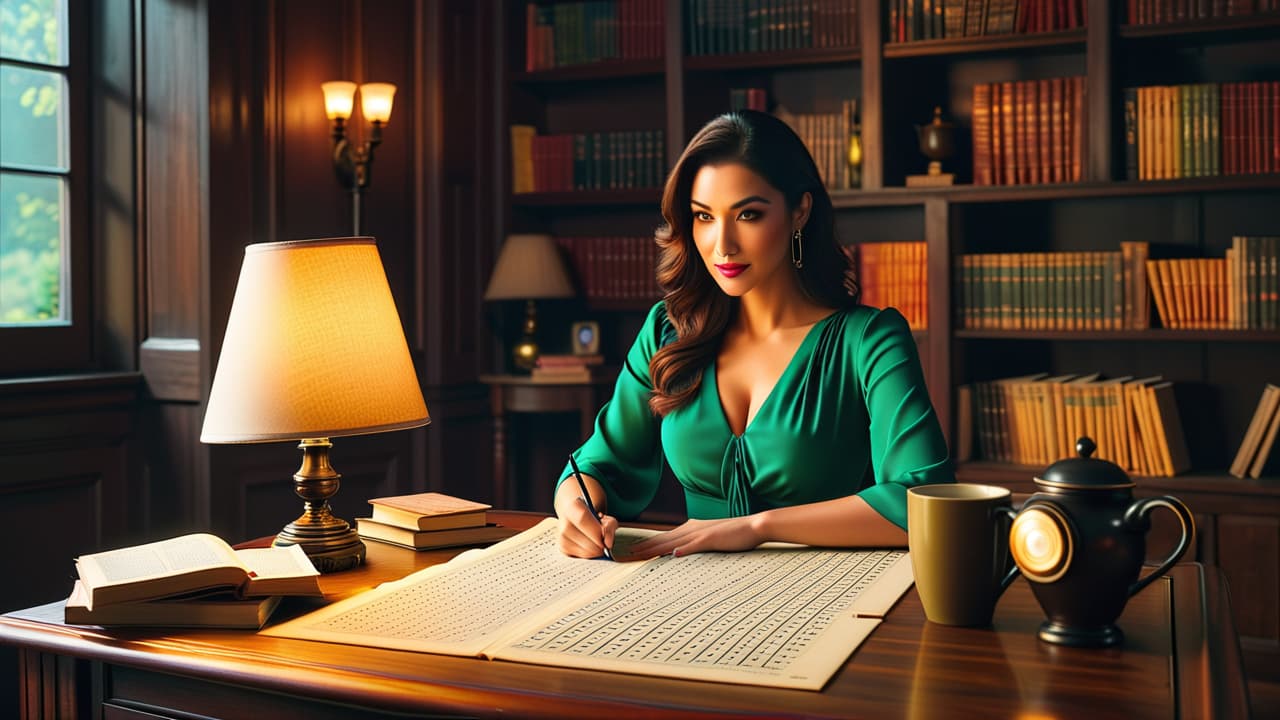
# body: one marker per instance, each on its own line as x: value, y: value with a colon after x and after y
x: 520, y: 394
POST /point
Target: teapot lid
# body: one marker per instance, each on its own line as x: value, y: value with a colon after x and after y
x: 1084, y: 472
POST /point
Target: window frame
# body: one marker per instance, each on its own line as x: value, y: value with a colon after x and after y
x: 42, y: 349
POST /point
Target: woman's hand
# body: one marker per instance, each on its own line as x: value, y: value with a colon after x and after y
x: 727, y: 535
x: 581, y: 535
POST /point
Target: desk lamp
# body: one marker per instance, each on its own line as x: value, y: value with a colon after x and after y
x: 314, y: 349
x: 528, y: 268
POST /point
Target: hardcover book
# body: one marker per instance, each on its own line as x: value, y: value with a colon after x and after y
x: 222, y: 611
x: 189, y: 564
x: 428, y: 511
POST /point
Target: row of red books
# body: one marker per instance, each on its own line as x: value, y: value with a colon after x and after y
x: 585, y: 161
x: 614, y: 268
x: 911, y: 20
x: 579, y: 33
x: 1159, y: 12
x: 1028, y: 132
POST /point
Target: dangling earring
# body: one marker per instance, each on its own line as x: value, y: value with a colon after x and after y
x: 797, y: 249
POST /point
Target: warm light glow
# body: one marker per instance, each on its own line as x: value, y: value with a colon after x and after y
x: 339, y: 98
x: 375, y: 101
x: 529, y: 267
x: 314, y: 348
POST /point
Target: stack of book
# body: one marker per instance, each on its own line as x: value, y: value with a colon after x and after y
x: 188, y: 581
x: 1258, y: 446
x: 567, y: 368
x: 430, y: 520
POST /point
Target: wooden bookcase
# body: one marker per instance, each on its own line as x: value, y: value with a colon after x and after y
x: 1219, y: 374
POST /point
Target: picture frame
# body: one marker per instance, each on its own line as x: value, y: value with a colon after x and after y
x: 585, y: 338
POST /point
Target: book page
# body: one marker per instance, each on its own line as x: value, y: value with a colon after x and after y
x: 778, y: 617
x: 460, y: 607
x: 158, y: 559
x: 783, y: 616
x: 277, y: 562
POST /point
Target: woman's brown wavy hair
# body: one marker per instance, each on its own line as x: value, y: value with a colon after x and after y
x: 698, y: 309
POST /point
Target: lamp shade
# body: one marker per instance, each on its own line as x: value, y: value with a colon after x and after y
x: 339, y: 98
x: 529, y: 267
x: 314, y: 348
x: 375, y: 101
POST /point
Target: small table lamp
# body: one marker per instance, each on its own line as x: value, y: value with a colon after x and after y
x: 314, y: 349
x: 528, y: 268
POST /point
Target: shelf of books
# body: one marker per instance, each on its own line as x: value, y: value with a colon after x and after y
x: 1160, y: 18
x: 578, y: 40
x: 796, y: 28
x: 920, y: 21
x: 1021, y: 478
x: 973, y: 194
x: 985, y: 44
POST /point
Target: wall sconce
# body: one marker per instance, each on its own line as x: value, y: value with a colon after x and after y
x: 353, y: 162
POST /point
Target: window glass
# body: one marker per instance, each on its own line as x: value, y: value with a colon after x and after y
x: 34, y: 31
x: 32, y: 249
x: 34, y: 164
x: 31, y: 105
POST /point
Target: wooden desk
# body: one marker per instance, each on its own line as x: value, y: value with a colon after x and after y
x: 1181, y: 659
x: 519, y: 394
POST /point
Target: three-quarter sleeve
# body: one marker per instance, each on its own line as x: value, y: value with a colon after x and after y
x: 624, y: 452
x: 907, y: 445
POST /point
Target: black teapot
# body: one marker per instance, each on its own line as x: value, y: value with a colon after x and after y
x: 1080, y: 541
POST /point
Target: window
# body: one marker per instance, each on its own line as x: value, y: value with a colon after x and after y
x: 43, y: 244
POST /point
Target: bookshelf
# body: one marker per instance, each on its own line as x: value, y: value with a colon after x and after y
x: 1219, y: 373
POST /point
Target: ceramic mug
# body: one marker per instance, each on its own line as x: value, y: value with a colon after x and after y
x: 958, y: 534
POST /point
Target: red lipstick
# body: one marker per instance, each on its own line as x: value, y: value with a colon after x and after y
x: 731, y: 270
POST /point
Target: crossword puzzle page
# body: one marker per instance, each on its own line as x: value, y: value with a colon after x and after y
x: 777, y: 616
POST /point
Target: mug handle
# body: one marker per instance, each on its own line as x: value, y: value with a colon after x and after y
x: 1136, y: 518
x: 1013, y: 569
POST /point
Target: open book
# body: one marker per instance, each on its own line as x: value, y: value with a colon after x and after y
x: 218, y: 610
x: 194, y: 564
x: 782, y: 616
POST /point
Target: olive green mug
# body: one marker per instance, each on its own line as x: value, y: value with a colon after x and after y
x: 958, y: 534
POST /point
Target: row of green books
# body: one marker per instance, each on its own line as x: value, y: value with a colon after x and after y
x: 717, y: 27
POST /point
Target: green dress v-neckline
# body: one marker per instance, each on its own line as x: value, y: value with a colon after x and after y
x: 850, y: 415
x: 711, y: 382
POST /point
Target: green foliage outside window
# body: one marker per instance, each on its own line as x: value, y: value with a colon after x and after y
x: 31, y: 204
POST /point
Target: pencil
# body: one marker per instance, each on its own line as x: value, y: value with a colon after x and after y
x: 586, y: 498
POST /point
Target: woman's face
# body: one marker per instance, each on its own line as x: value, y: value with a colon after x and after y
x: 742, y: 227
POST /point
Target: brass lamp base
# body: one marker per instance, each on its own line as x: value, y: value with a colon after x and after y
x: 330, y: 542
x: 525, y: 352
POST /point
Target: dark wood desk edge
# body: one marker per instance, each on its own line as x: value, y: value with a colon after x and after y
x: 1205, y: 687
x: 1207, y: 658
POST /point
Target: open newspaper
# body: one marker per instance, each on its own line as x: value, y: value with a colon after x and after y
x: 781, y: 616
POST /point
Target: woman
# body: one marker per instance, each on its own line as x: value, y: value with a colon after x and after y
x: 786, y: 410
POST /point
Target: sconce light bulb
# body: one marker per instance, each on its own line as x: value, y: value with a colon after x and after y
x: 339, y: 99
x: 375, y: 101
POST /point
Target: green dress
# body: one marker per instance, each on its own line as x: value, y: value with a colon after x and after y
x: 849, y: 415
